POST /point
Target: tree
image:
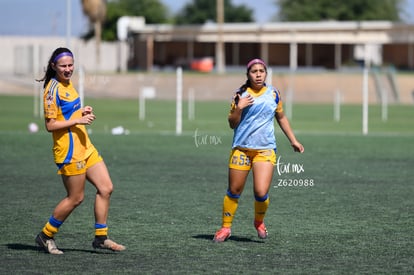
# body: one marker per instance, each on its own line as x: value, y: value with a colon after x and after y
x: 153, y: 11
x: 202, y: 11
x: 349, y: 10
x: 96, y: 12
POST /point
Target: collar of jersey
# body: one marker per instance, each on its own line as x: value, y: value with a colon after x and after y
x: 255, y: 93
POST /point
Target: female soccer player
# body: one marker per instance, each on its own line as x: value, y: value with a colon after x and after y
x: 253, y: 109
x: 74, y: 154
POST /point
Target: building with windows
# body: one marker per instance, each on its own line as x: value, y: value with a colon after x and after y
x: 329, y: 44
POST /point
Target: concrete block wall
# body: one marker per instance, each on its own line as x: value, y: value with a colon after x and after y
x: 22, y: 55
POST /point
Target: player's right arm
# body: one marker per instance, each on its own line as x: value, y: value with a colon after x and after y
x: 237, y: 109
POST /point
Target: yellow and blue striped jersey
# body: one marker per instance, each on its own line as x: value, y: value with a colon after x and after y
x: 256, y: 128
x: 62, y: 102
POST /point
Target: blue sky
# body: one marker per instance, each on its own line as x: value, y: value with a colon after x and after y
x: 48, y: 17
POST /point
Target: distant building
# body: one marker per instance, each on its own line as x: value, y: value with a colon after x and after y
x: 328, y: 44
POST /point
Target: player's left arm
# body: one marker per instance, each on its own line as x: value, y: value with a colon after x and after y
x: 284, y: 124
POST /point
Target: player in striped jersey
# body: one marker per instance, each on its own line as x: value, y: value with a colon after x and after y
x: 74, y: 154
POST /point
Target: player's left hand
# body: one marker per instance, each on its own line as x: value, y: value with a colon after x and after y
x: 298, y: 147
x: 87, y: 110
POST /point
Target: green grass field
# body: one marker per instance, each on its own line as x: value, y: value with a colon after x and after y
x: 355, y: 216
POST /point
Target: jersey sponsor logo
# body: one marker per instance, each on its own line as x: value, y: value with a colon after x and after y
x: 49, y: 99
x: 76, y: 106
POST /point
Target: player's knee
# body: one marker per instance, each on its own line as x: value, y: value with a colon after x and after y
x: 106, y: 191
x: 76, y: 200
x: 233, y: 194
x: 261, y: 198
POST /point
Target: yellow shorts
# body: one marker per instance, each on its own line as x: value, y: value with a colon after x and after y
x: 80, y: 167
x: 242, y: 159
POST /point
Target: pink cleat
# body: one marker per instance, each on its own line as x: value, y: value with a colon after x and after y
x: 261, y: 229
x: 222, y: 234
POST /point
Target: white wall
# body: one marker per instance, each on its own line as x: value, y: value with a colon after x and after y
x: 29, y: 55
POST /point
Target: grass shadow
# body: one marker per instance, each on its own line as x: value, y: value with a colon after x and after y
x: 19, y: 246
x: 232, y: 238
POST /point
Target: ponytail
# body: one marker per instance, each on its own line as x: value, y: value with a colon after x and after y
x: 244, y: 87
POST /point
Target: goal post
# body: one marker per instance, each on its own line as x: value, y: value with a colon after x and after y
x: 179, y: 101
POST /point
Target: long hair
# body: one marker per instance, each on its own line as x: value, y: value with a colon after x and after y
x: 244, y: 87
x: 50, y: 73
x: 241, y: 90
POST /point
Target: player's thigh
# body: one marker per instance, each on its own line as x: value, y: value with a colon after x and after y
x: 237, y: 180
x: 239, y: 168
x: 99, y: 176
x: 74, y: 185
x: 262, y: 177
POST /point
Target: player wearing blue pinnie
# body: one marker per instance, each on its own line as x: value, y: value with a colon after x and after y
x: 253, y: 110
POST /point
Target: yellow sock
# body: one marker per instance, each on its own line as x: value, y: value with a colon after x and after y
x: 229, y: 209
x: 51, y: 227
x: 101, y: 230
x: 49, y: 230
x: 260, y: 207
